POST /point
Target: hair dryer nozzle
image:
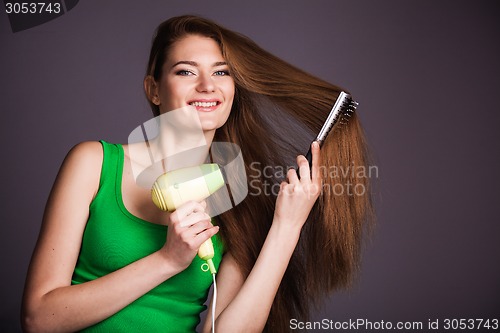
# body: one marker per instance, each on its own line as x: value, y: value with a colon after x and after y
x: 179, y: 186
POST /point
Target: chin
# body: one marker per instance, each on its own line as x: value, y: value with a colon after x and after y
x: 209, y: 127
x: 211, y: 124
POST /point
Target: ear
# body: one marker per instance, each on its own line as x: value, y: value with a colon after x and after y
x: 151, y: 89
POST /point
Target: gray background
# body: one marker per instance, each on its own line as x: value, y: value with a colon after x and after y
x: 425, y: 73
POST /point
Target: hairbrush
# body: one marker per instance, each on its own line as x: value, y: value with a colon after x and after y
x: 340, y: 114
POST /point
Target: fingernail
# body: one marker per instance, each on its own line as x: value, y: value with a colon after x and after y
x: 315, y: 144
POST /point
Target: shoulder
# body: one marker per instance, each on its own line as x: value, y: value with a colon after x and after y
x: 89, y: 151
x: 85, y: 155
x: 231, y: 274
x: 82, y: 165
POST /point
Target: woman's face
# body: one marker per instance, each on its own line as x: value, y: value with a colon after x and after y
x: 195, y: 73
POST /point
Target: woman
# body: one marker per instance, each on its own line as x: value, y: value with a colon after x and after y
x: 275, y: 264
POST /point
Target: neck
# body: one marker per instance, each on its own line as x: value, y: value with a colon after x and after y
x: 180, y: 143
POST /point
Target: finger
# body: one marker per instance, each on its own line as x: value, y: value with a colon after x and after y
x: 189, y: 208
x: 193, y: 218
x: 282, y: 186
x: 292, y: 177
x: 304, y: 170
x: 194, y: 240
x: 286, y: 188
x: 200, y: 226
x: 289, y: 189
x: 204, y: 235
x: 316, y: 161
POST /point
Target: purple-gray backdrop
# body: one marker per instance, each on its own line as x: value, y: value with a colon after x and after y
x: 426, y: 75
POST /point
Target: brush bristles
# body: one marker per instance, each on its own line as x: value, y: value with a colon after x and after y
x: 348, y: 108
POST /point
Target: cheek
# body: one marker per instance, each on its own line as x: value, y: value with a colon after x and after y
x: 229, y: 90
x: 173, y: 90
x: 173, y: 96
x: 229, y: 100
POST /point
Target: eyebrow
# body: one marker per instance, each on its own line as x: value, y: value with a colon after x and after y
x: 195, y: 64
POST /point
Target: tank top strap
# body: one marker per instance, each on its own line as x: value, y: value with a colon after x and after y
x: 112, y: 163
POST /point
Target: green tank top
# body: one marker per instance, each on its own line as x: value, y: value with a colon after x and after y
x: 114, y: 238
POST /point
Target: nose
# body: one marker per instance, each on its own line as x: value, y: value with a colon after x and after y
x: 205, y: 83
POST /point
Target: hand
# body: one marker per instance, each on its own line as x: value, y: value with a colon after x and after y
x: 297, y: 196
x: 189, y: 226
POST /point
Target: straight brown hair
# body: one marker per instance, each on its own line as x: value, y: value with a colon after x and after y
x: 273, y: 96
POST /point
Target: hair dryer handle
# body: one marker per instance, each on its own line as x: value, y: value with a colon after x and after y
x: 206, y: 252
x: 176, y: 187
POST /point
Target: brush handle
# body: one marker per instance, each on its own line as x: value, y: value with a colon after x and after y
x: 309, y: 158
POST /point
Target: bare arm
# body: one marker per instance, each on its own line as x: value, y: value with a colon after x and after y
x: 244, y: 305
x: 51, y: 303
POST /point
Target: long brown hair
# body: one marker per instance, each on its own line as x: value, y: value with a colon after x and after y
x: 274, y: 101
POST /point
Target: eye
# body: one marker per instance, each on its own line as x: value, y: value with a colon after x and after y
x: 184, y: 72
x: 221, y: 73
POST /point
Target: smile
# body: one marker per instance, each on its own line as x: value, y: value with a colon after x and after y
x: 204, y: 104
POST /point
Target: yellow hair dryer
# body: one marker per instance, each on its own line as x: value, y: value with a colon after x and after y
x: 179, y: 186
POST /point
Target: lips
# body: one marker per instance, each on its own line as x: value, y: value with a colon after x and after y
x: 205, y: 105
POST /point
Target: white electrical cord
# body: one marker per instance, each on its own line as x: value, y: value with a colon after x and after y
x: 213, y: 304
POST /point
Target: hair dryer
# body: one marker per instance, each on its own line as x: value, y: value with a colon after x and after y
x: 179, y: 186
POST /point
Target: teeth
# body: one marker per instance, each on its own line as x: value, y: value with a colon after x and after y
x: 203, y: 104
